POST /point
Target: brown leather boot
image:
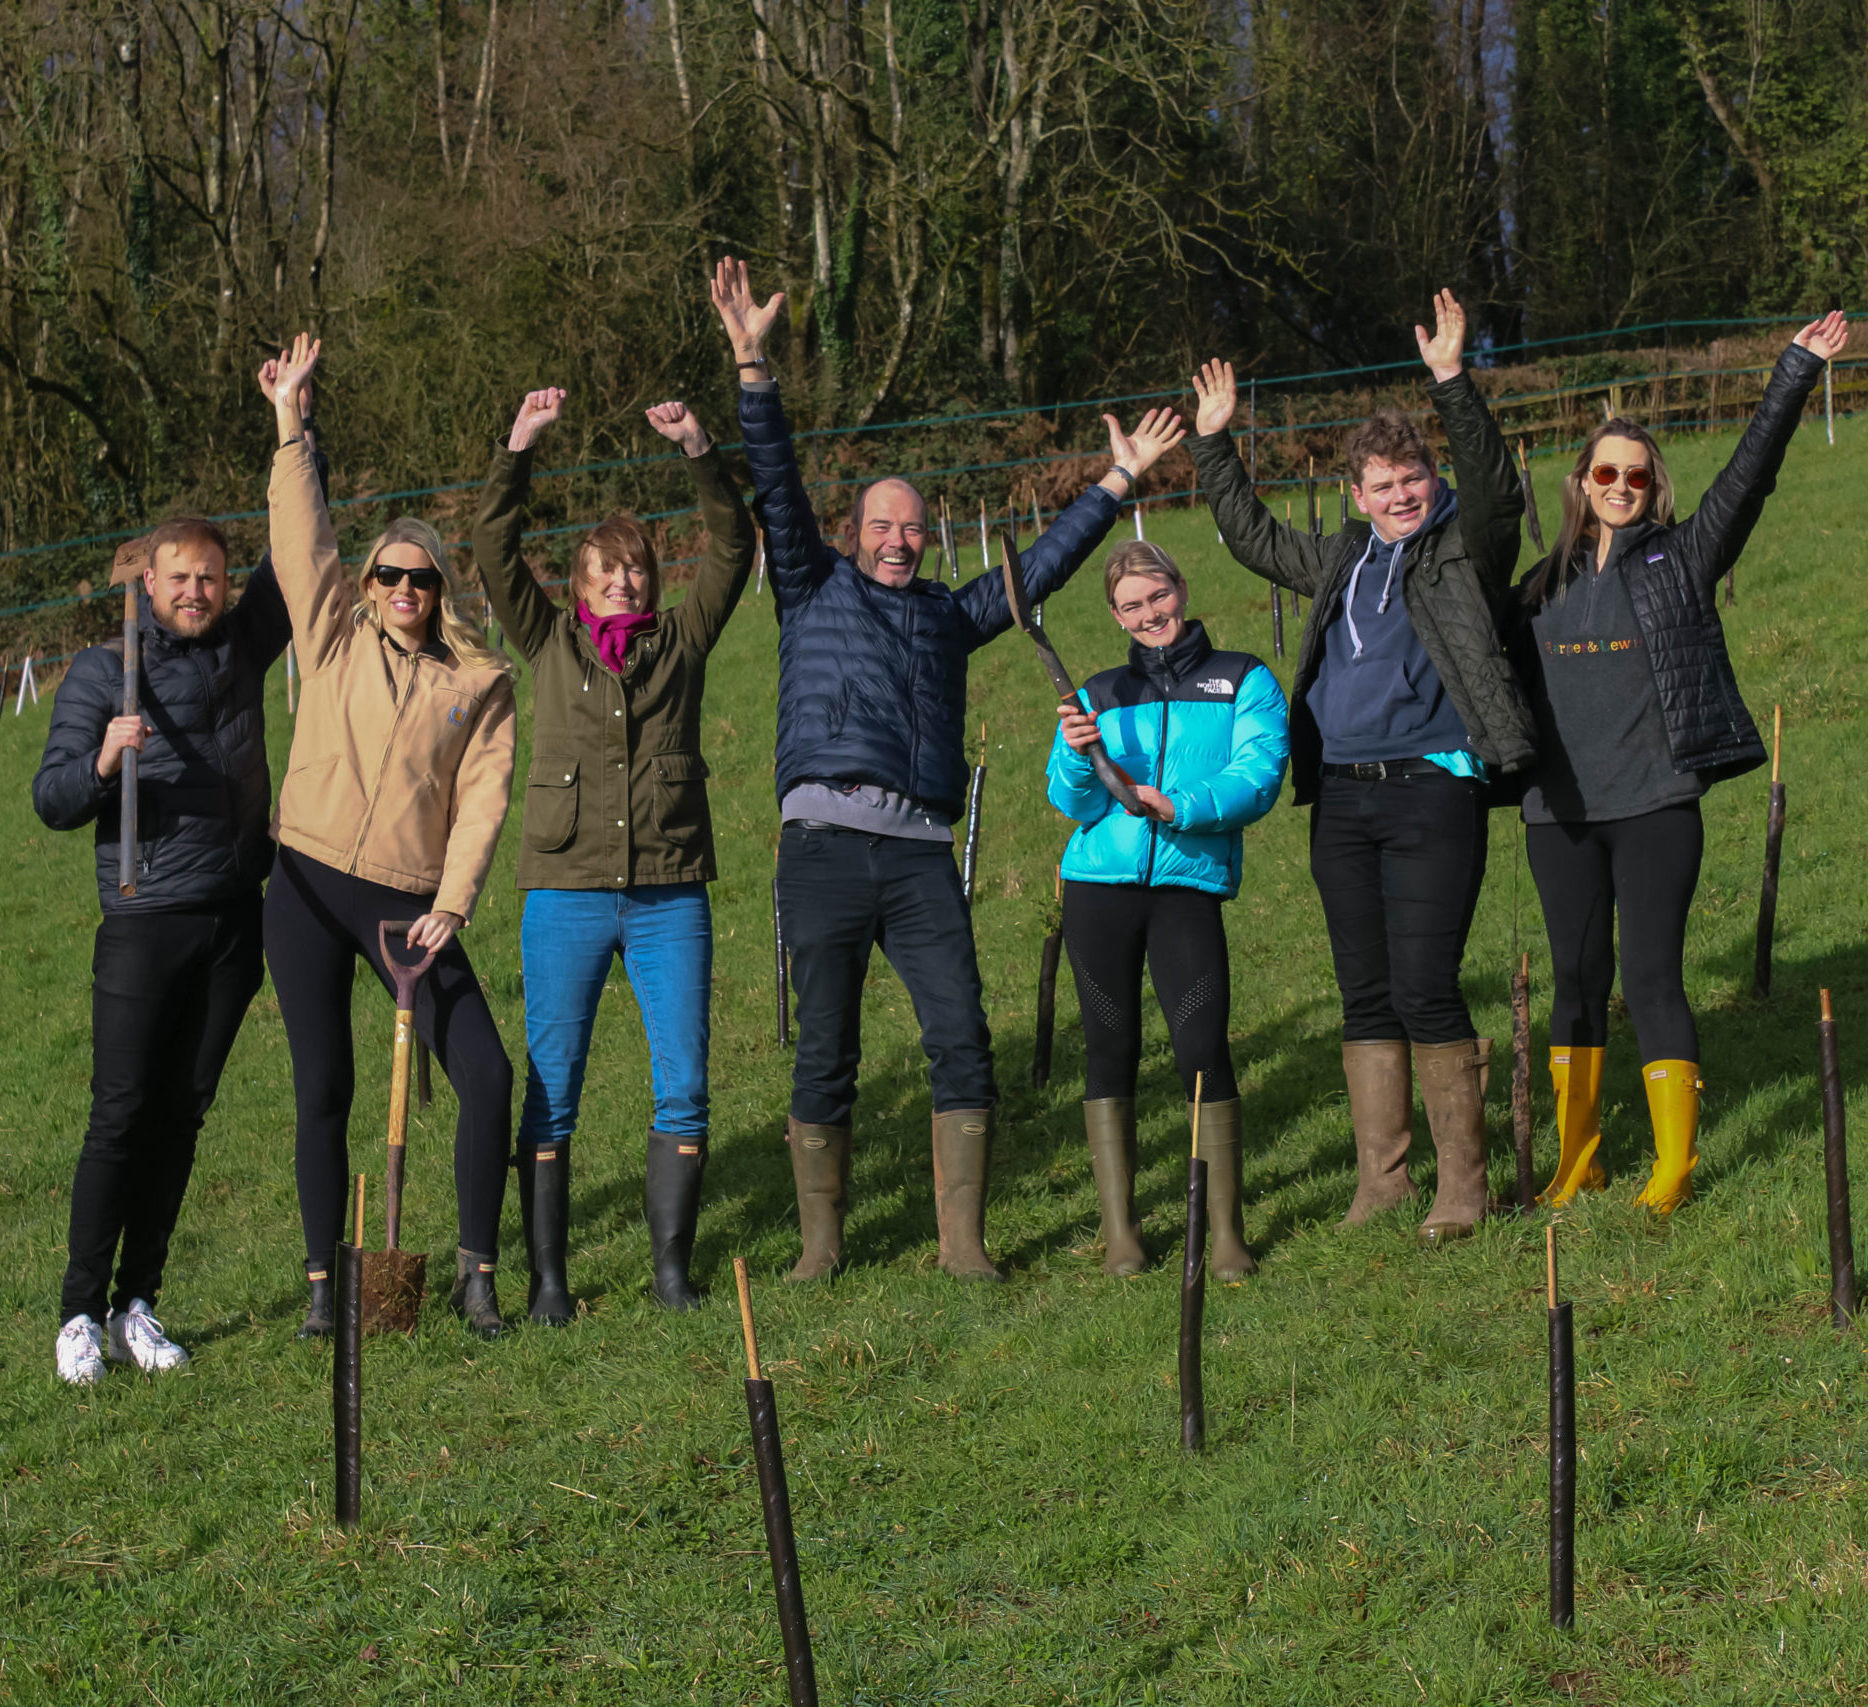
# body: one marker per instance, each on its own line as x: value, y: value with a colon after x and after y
x: 1449, y: 1090
x: 962, y: 1156
x: 820, y: 1168
x: 1220, y: 1146
x: 1109, y: 1128
x: 1381, y: 1107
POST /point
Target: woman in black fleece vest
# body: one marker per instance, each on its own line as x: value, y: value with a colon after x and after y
x: 1638, y: 713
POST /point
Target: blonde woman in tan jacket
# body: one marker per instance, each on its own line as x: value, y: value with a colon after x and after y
x: 392, y: 804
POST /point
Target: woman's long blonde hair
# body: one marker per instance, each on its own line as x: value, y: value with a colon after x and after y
x: 1579, y: 520
x: 462, y: 636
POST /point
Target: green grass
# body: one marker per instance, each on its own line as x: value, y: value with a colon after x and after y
x: 990, y: 1499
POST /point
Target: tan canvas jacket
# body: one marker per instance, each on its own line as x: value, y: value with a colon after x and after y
x: 401, y: 762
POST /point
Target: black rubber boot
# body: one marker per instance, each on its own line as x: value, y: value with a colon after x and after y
x: 671, y: 1192
x: 545, y: 1214
x: 473, y: 1298
x: 321, y: 1314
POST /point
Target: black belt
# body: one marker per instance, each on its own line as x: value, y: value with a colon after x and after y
x: 1384, y: 770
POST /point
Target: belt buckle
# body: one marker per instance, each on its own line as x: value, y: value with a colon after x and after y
x: 1376, y: 770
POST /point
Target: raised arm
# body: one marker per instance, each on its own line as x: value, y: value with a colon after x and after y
x: 1289, y: 556
x: 260, y: 621
x: 1711, y: 539
x: 797, y: 559
x: 304, y: 546
x: 1061, y: 550
x: 727, y: 561
x: 1491, y: 494
x: 511, y: 588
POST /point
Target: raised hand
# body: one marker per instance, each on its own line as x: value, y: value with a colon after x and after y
x: 288, y: 377
x: 536, y: 413
x: 1442, y: 352
x: 1156, y: 433
x: 746, y: 321
x: 1218, y: 393
x: 268, y: 377
x: 676, y: 421
x: 1825, y: 337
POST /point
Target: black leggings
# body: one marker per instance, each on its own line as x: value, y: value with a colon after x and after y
x: 1109, y: 929
x: 1645, y: 869
x: 317, y: 922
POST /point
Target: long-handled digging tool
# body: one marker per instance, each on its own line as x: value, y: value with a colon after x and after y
x: 1842, y: 1300
x: 1530, y: 496
x: 125, y: 571
x: 781, y: 1542
x: 394, y: 1279
x: 1193, y: 1294
x: 347, y: 1372
x: 1110, y: 774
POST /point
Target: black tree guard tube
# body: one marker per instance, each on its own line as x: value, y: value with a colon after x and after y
x: 1773, y: 854
x: 1836, y: 1171
x: 1562, y: 1453
x: 347, y: 1380
x: 775, y: 1497
x: 1193, y: 1297
x: 780, y: 970
x: 1045, y: 1031
x: 1521, y: 1123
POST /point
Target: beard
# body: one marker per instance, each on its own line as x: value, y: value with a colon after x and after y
x: 190, y: 622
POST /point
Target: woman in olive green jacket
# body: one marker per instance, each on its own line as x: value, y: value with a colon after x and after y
x: 617, y: 846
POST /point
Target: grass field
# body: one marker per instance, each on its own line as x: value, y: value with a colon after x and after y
x: 991, y: 1502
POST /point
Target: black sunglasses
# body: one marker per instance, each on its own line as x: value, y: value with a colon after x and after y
x: 422, y: 580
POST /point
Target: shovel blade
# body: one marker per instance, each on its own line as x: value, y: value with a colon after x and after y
x: 393, y: 1285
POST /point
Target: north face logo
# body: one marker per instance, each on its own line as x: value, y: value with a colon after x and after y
x: 1214, y: 684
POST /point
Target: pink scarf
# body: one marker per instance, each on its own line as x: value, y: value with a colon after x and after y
x: 611, y: 635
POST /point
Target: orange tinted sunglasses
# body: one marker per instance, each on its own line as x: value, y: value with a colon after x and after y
x: 1639, y: 479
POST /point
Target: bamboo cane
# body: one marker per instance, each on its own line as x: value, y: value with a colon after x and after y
x: 985, y: 540
x: 781, y: 1542
x: 1773, y: 856
x: 975, y: 798
x: 1193, y: 1293
x: 1842, y: 1299
x: 291, y: 678
x: 1562, y: 1448
x: 1521, y: 1121
x: 1829, y: 400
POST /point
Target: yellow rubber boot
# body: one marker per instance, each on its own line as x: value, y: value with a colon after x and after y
x: 1576, y: 1075
x: 1673, y: 1089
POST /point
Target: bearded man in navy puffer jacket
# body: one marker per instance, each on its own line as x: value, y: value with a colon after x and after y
x: 871, y: 773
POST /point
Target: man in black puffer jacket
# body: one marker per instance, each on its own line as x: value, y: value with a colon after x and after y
x: 176, y: 964
x: 871, y: 773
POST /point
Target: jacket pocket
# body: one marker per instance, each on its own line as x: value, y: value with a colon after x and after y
x: 551, y: 803
x: 680, y: 796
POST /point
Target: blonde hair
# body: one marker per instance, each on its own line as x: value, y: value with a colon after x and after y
x: 1138, y: 557
x: 462, y: 636
x: 1579, y: 520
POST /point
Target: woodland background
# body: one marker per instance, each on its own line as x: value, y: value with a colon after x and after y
x: 971, y: 204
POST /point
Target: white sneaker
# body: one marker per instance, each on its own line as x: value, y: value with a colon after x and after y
x: 80, y: 1350
x: 137, y: 1337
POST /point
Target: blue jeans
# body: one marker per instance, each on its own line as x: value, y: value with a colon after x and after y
x: 664, y: 932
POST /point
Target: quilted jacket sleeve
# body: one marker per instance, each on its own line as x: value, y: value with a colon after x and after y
x: 520, y: 603
x: 797, y: 560
x: 67, y: 793
x: 1071, y: 784
x: 1248, y: 787
x: 1289, y: 556
x: 1710, y: 540
x: 1045, y: 565
x: 1491, y: 495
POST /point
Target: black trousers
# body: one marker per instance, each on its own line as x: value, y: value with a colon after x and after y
x: 1645, y: 870
x: 318, y: 922
x: 1399, y: 864
x: 1110, y: 929
x: 842, y: 893
x: 168, y: 993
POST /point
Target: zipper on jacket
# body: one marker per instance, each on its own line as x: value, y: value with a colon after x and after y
x: 382, y: 769
x: 1154, y: 823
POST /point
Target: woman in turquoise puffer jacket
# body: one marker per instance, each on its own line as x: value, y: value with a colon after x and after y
x: 1205, y: 735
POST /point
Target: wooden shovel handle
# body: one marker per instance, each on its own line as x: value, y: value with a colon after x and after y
x: 398, y: 1128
